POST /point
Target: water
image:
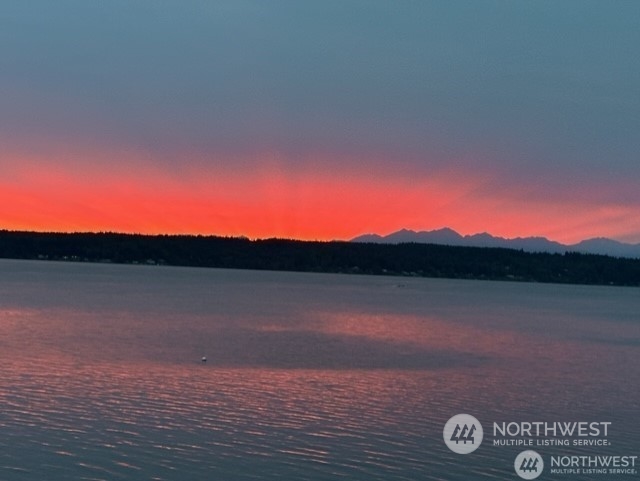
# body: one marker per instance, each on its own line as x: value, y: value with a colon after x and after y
x: 308, y: 376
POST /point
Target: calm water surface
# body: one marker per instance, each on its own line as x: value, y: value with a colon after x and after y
x: 309, y: 376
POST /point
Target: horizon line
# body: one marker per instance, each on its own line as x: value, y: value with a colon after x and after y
x: 298, y: 239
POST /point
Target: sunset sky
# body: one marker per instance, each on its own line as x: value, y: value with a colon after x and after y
x: 321, y: 119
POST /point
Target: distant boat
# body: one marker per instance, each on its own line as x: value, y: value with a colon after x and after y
x: 204, y: 359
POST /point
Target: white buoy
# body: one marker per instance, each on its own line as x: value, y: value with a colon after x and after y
x: 204, y: 359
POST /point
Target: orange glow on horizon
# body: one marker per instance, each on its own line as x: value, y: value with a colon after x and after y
x: 271, y: 202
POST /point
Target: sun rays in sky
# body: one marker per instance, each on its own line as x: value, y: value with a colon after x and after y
x: 321, y: 121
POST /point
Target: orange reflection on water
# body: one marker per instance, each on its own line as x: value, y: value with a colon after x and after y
x: 426, y: 331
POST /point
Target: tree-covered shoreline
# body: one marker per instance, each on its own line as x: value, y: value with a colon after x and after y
x: 421, y: 260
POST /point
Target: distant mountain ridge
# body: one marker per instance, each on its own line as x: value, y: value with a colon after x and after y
x: 447, y: 236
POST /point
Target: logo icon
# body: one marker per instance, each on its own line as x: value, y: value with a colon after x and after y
x: 528, y: 465
x: 463, y: 434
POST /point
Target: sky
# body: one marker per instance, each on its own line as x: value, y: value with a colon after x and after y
x: 321, y: 119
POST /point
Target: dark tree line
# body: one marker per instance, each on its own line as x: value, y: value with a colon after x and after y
x: 427, y: 260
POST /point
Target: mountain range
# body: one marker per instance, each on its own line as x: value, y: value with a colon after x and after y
x: 447, y: 236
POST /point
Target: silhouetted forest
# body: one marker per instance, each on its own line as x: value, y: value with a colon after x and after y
x: 425, y: 260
